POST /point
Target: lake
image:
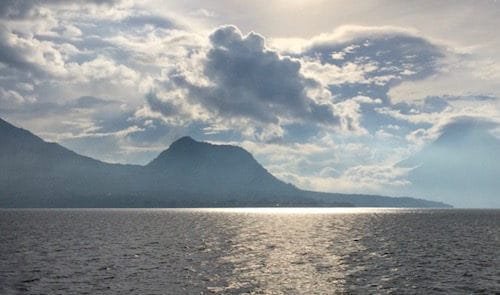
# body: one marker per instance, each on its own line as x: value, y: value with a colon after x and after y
x: 261, y: 251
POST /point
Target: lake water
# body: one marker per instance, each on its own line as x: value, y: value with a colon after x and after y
x: 261, y: 251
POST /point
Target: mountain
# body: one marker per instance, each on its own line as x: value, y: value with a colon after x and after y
x: 35, y: 173
x: 213, y: 167
x: 461, y: 166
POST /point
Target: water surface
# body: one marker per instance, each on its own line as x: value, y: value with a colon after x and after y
x: 261, y: 251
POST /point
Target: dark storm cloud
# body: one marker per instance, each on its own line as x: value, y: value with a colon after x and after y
x: 16, y: 9
x: 248, y: 80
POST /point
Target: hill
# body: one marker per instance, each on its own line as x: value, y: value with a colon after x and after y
x: 461, y: 166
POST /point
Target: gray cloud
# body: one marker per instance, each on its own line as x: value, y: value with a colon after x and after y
x: 87, y: 102
x: 392, y: 53
x: 384, y: 58
x: 250, y: 81
x: 375, y: 60
x: 157, y: 105
x: 27, y: 55
x: 51, y: 108
x: 11, y: 56
x: 16, y: 9
x: 154, y: 20
x: 458, y: 127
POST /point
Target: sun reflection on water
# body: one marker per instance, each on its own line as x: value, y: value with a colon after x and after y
x: 301, y: 210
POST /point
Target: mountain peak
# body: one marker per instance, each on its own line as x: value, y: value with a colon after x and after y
x: 212, y: 166
x: 186, y: 144
x: 185, y: 140
x: 189, y: 149
x: 460, y: 166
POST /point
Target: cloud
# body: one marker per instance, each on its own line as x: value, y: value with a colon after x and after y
x: 12, y: 50
x: 242, y: 66
x: 239, y: 84
x: 164, y: 107
x: 356, y: 61
x: 28, y: 55
x: 455, y: 126
x: 87, y: 102
x: 435, y: 111
x: 334, y: 163
x: 379, y: 56
x: 250, y: 81
x: 148, y: 19
x: 370, y: 179
x: 102, y: 68
x: 465, y: 124
x: 12, y: 99
x: 22, y: 107
x: 16, y: 9
x: 461, y: 75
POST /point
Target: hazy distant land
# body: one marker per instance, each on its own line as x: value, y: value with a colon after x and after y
x: 189, y: 173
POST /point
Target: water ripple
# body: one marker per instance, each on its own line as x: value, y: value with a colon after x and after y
x: 249, y: 251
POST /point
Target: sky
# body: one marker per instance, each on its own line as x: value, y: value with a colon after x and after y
x: 328, y: 95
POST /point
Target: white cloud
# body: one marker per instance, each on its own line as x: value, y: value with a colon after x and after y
x: 375, y: 179
x: 102, y: 68
x: 13, y: 99
x: 330, y: 74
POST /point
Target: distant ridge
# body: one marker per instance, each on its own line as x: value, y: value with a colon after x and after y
x: 35, y: 173
x: 466, y: 157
